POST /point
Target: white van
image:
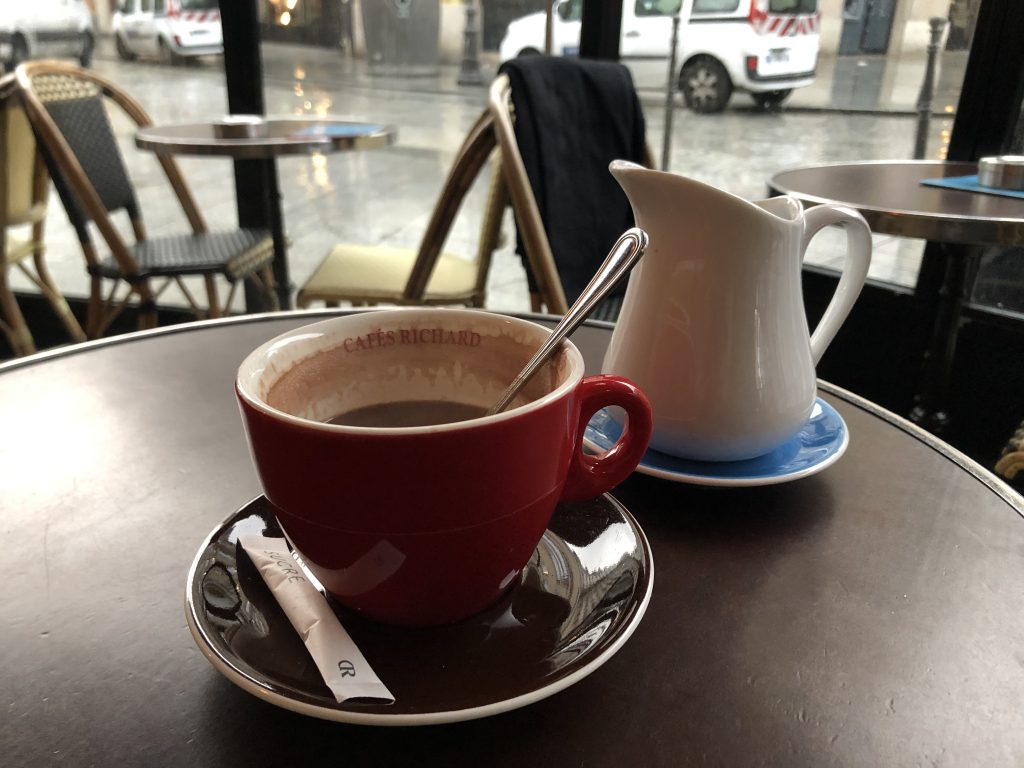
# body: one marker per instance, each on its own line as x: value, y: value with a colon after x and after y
x: 168, y: 29
x: 764, y: 47
x: 42, y: 28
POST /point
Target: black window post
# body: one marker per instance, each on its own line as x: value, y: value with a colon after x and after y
x: 256, y: 186
x: 993, y: 87
x: 600, y: 30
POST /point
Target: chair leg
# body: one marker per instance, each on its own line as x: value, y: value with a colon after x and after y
x: 263, y: 281
x: 212, y: 302
x: 197, y: 311
x: 15, y: 328
x: 232, y: 290
x: 56, y: 299
x: 269, y: 284
x: 94, y: 316
x: 147, y: 306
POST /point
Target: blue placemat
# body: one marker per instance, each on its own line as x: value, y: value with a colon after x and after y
x: 339, y: 130
x: 970, y: 184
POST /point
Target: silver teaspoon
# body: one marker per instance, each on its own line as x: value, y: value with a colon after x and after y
x: 623, y: 256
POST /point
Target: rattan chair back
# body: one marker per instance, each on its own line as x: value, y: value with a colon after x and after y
x: 67, y: 107
x: 470, y: 162
x: 79, y: 114
x: 24, y: 187
x: 548, y: 294
x: 366, y: 274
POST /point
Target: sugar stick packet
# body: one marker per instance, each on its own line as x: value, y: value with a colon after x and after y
x: 342, y: 666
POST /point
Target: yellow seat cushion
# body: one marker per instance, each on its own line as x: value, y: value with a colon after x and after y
x: 17, y: 248
x: 379, y: 273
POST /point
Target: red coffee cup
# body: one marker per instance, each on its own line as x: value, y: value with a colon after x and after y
x: 426, y: 524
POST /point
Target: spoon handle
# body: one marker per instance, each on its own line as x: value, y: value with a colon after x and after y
x: 623, y: 255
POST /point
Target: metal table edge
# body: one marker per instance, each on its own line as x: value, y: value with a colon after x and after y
x: 980, y: 473
x: 67, y: 350
x: 972, y: 467
x: 250, y: 148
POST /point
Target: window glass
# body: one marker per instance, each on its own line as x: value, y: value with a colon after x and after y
x: 792, y: 6
x: 1017, y: 142
x: 715, y: 6
x: 159, y: 6
x: 841, y: 88
x: 571, y: 10
x: 657, y: 7
x: 853, y: 9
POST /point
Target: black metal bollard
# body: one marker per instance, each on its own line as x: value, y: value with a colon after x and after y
x: 670, y: 96
x: 469, y: 71
x: 924, y: 100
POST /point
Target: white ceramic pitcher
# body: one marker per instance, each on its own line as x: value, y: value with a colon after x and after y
x: 712, y: 326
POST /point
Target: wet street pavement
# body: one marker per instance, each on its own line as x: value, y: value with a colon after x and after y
x: 386, y: 196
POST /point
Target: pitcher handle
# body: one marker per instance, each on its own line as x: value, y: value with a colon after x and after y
x: 855, y: 267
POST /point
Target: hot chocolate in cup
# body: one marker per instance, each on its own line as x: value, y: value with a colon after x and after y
x: 421, y: 524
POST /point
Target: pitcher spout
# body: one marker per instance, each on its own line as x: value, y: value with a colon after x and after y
x: 655, y: 193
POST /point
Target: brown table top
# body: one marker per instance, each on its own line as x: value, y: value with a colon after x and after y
x: 869, y: 615
x: 256, y: 137
x: 890, y: 196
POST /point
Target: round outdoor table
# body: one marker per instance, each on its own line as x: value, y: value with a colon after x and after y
x: 890, y: 196
x: 263, y: 138
x: 872, y: 614
x: 251, y: 137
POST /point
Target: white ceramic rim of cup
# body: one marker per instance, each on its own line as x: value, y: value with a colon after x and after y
x: 253, y: 365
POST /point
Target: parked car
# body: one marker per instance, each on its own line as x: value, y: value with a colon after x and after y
x: 171, y: 30
x: 764, y: 47
x: 41, y: 28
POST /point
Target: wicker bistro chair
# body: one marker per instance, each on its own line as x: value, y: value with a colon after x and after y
x: 67, y: 108
x: 368, y: 275
x: 24, y: 190
x: 545, y: 287
x: 373, y: 274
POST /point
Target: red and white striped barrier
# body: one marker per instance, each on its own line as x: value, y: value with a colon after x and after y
x: 786, y: 26
x: 196, y: 16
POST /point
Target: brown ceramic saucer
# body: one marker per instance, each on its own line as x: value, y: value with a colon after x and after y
x: 579, y: 598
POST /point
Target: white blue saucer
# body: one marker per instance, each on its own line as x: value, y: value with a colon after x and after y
x: 818, y: 445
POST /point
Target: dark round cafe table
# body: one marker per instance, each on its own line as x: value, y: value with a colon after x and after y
x: 872, y: 614
x: 254, y: 137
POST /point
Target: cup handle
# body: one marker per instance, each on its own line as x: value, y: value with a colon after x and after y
x: 855, y: 268
x: 590, y: 476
